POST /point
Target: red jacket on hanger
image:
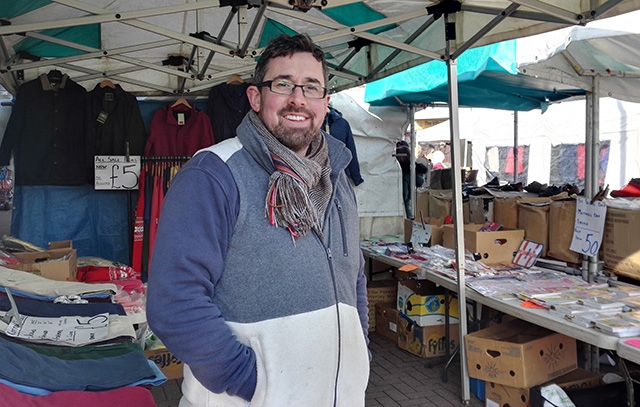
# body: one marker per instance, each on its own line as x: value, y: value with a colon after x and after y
x: 178, y: 130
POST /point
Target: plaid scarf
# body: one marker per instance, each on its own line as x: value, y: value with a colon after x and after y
x: 299, y: 188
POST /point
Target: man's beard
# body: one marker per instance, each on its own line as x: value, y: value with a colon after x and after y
x: 295, y: 139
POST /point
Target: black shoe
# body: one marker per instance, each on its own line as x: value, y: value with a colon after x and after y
x: 535, y: 187
x: 551, y: 191
x: 570, y: 189
x: 477, y: 191
x: 512, y: 187
x: 493, y: 184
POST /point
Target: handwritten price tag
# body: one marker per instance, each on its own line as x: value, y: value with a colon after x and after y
x: 588, y: 227
x: 115, y: 172
x: 420, y: 234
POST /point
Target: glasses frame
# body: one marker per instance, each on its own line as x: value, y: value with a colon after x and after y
x: 268, y: 84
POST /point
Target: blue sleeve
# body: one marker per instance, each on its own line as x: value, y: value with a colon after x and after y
x: 339, y: 128
x: 196, y: 224
x: 354, y: 165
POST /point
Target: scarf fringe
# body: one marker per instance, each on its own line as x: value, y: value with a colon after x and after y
x: 284, y: 208
x: 300, y: 187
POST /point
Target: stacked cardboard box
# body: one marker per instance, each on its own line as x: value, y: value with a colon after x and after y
x: 562, y: 217
x: 170, y: 365
x: 387, y: 321
x: 60, y: 262
x: 620, y: 244
x: 515, y: 356
x: 380, y: 292
x: 424, y: 303
x: 426, y: 341
x: 498, y: 395
x: 422, y: 328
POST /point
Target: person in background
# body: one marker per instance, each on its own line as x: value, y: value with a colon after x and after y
x: 257, y: 280
x: 437, y: 159
x: 403, y: 155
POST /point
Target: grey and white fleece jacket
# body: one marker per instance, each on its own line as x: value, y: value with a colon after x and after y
x: 258, y: 320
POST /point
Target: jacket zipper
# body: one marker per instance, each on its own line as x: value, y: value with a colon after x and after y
x: 343, y: 230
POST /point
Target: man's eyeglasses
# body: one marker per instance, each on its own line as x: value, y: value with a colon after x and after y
x: 287, y: 88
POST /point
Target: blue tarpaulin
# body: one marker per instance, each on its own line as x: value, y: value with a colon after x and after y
x: 487, y: 77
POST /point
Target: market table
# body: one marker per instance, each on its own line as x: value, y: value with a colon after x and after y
x: 541, y: 317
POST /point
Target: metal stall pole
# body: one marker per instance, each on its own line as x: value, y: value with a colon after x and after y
x: 588, y: 191
x: 593, y: 156
x: 452, y: 80
x: 515, y: 146
x: 412, y: 161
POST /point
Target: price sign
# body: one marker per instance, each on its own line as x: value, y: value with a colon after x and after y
x: 588, y: 227
x: 420, y: 234
x: 116, y: 173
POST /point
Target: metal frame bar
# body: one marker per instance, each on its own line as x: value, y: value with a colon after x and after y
x: 198, y: 67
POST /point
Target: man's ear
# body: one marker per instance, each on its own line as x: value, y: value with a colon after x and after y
x: 255, y: 97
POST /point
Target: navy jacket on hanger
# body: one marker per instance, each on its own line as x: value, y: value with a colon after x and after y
x: 339, y: 127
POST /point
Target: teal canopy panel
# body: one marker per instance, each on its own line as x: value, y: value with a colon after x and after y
x: 487, y: 77
x: 11, y: 9
x: 88, y: 35
x: 271, y: 30
x: 355, y: 14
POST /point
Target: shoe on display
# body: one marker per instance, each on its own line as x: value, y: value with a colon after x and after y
x: 631, y: 190
x: 535, y: 187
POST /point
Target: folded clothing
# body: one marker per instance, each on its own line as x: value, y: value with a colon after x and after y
x: 130, y: 396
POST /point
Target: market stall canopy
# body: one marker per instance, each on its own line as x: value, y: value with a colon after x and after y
x: 573, y: 57
x: 160, y: 47
x: 487, y: 77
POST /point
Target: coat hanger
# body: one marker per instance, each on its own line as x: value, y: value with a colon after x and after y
x: 181, y: 101
x: 54, y: 76
x: 235, y: 79
x: 107, y: 83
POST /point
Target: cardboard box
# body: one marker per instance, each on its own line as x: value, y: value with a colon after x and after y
x: 562, y: 218
x: 422, y: 203
x: 519, y: 354
x: 387, y: 321
x: 441, y: 205
x: 621, y: 246
x: 498, y: 395
x: 493, y: 247
x: 166, y: 362
x: 480, y: 208
x: 440, y: 201
x: 424, y: 303
x: 578, y: 379
x: 533, y: 218
x: 505, y: 211
x: 59, y: 263
x: 380, y: 292
x: 426, y: 341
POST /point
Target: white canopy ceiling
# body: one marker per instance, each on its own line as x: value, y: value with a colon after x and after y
x: 364, y: 40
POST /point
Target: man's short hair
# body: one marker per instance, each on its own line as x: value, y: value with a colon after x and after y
x: 286, y: 45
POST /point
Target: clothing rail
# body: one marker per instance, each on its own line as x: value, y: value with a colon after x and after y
x: 166, y: 158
